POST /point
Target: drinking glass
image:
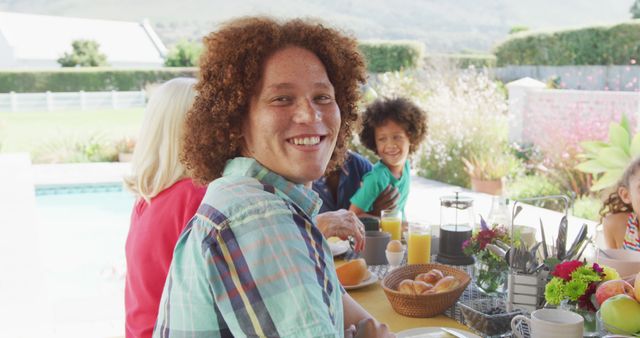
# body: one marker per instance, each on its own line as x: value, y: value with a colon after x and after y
x: 391, y: 222
x: 419, y: 243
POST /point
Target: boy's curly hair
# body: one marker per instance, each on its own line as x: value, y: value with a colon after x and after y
x: 400, y: 110
x: 614, y: 204
x: 230, y: 71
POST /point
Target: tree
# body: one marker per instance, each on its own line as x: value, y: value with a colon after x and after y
x: 518, y: 29
x: 635, y: 9
x: 85, y: 54
x: 184, y: 54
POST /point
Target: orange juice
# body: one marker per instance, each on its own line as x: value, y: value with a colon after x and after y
x: 392, y: 226
x: 419, y: 248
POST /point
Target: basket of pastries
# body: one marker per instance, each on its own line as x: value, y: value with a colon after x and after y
x: 424, y: 290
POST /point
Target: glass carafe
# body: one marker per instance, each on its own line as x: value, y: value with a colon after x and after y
x: 457, y: 221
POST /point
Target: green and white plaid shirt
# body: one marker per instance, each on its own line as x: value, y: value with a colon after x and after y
x: 252, y: 263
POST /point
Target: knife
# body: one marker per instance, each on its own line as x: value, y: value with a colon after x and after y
x: 453, y: 333
x: 561, y: 241
x: 577, y: 243
x: 545, y: 251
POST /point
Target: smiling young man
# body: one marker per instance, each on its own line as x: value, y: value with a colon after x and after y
x: 274, y: 106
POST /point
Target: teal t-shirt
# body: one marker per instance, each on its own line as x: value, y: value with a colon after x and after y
x: 375, y: 181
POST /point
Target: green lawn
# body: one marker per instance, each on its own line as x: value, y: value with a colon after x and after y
x: 34, y: 131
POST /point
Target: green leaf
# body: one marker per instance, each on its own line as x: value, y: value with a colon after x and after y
x: 608, y: 179
x: 619, y: 137
x: 624, y: 123
x: 551, y: 262
x: 591, y: 167
x: 613, y: 158
x: 593, y: 146
x: 634, y: 150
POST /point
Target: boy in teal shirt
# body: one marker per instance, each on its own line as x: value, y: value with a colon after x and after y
x: 393, y: 129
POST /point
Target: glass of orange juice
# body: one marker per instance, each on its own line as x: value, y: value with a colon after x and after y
x: 391, y: 222
x: 419, y: 244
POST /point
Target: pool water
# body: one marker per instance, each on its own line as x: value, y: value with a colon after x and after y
x: 82, y: 237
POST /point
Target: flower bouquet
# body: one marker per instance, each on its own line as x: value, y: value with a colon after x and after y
x: 573, y: 287
x: 490, y: 270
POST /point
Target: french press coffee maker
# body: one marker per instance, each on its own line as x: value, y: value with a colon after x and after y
x: 457, y: 221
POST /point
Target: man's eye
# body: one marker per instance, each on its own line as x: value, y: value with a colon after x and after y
x: 324, y: 99
x: 281, y: 99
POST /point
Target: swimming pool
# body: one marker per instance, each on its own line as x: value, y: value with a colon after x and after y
x: 82, y: 234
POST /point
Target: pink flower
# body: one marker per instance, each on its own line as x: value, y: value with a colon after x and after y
x: 598, y: 269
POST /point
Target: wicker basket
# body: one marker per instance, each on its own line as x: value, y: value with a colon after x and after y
x: 422, y: 306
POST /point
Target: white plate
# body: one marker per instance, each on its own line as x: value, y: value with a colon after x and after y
x: 339, y: 248
x: 420, y: 331
x: 370, y: 280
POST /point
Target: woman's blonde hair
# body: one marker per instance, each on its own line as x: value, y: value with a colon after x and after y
x: 156, y: 159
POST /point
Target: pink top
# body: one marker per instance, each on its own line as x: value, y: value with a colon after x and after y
x: 153, y: 234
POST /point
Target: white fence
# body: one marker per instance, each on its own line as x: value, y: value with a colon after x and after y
x: 17, y: 102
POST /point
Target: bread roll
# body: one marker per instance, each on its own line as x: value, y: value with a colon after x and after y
x: 406, y: 286
x: 431, y: 277
x: 421, y: 287
x: 446, y: 284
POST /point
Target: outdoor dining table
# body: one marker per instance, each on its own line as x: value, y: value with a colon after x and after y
x: 373, y: 299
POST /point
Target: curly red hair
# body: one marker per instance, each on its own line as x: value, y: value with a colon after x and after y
x: 230, y: 70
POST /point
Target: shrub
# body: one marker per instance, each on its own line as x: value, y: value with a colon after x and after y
x: 587, y: 207
x: 491, y: 164
x: 464, y: 60
x: 87, y: 79
x: 389, y: 56
x: 602, y: 45
x: 85, y: 53
x: 93, y: 148
x: 467, y: 117
x: 528, y: 186
x: 184, y: 54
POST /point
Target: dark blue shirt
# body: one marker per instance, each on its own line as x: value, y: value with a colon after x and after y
x: 353, y: 169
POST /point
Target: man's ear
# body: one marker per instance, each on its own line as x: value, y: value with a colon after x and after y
x: 623, y: 192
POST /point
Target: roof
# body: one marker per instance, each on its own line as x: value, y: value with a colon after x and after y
x: 49, y: 37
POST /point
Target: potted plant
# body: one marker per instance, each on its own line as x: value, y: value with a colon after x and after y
x: 125, y: 148
x: 606, y: 160
x: 487, y: 170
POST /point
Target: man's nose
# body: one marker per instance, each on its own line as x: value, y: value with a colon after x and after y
x: 306, y: 112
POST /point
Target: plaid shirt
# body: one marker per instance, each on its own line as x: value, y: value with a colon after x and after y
x: 252, y: 263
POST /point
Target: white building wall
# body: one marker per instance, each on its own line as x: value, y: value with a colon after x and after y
x: 6, y: 53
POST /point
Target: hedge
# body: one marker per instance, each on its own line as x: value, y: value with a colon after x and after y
x: 466, y: 60
x: 87, y: 79
x: 389, y: 56
x: 603, y: 45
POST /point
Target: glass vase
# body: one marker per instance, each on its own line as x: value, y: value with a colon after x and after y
x: 490, y: 276
x: 589, y: 317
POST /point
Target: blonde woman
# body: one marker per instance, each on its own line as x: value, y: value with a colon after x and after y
x: 166, y: 201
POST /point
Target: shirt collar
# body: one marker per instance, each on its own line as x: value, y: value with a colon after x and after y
x: 303, y: 197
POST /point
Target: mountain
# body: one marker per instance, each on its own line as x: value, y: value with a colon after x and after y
x: 443, y: 25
